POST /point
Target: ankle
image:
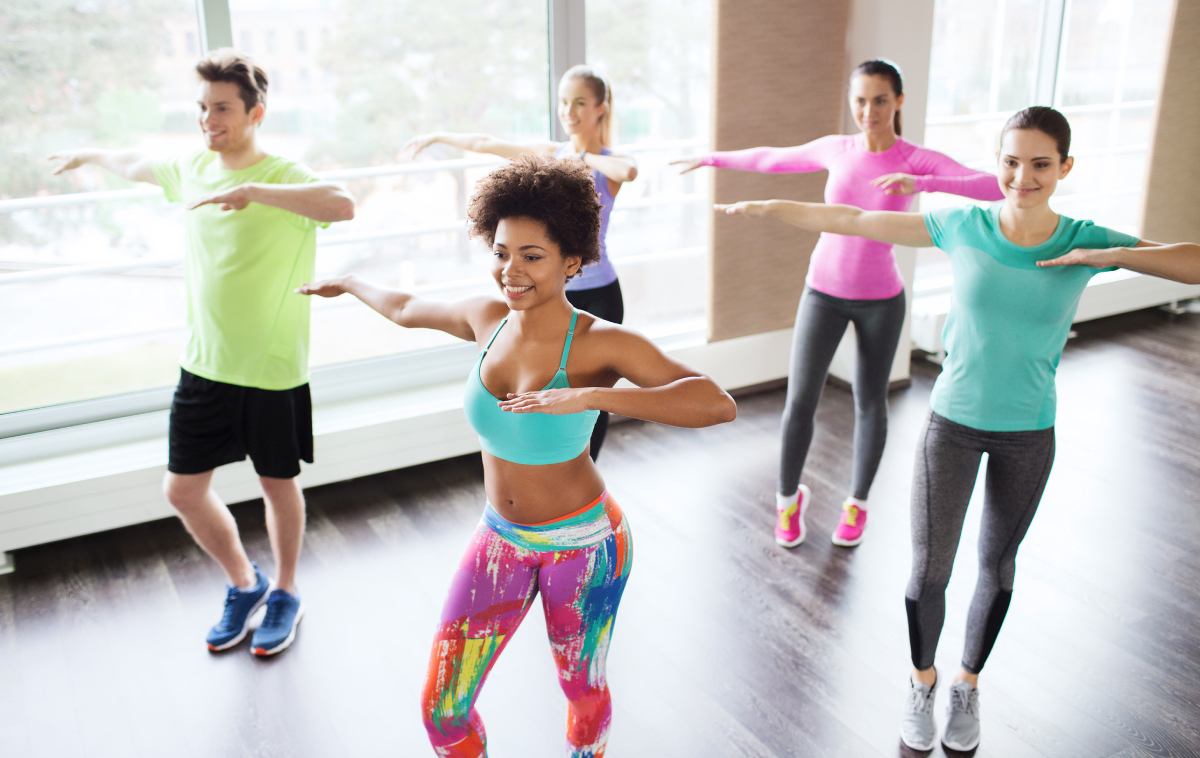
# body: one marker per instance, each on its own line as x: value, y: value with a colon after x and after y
x: 928, y: 677
x: 860, y: 503
x: 966, y: 676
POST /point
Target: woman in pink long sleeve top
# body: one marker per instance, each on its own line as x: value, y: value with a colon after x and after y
x: 851, y: 279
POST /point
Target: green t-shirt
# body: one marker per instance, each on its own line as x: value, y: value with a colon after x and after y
x: 247, y: 326
x: 1009, y: 319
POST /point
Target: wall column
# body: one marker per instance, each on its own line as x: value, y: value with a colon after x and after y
x: 778, y: 69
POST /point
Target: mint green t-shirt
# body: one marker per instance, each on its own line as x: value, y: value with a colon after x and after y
x: 1009, y: 319
x: 246, y: 325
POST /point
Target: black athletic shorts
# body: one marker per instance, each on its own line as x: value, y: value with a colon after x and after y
x: 214, y: 423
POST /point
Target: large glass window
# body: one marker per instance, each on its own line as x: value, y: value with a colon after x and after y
x: 655, y: 54
x: 75, y: 75
x: 91, y: 290
x: 1102, y: 71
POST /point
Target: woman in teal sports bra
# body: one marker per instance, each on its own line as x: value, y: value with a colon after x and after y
x: 544, y: 373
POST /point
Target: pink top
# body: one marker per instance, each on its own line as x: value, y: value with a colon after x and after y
x: 856, y: 268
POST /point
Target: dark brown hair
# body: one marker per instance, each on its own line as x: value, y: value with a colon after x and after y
x: 602, y: 92
x: 228, y: 65
x: 1045, y: 120
x: 558, y: 194
x: 889, y: 71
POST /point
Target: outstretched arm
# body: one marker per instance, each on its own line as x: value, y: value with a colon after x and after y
x: 476, y: 143
x: 668, y: 391
x: 133, y: 165
x: 768, y: 160
x: 884, y: 226
x: 617, y: 168
x: 320, y: 201
x: 935, y: 172
x: 1179, y: 262
x: 457, y: 318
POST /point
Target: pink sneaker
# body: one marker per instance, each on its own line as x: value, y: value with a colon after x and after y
x: 789, y: 529
x: 850, y: 528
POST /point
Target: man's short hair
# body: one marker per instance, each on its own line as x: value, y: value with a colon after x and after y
x: 228, y: 65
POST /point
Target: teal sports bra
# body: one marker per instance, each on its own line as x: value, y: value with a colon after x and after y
x: 535, y: 439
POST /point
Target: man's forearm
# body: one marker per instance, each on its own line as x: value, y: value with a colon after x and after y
x: 320, y: 201
x: 128, y: 164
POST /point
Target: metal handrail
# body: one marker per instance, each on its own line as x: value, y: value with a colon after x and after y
x: 365, y: 172
x: 428, y: 289
x: 970, y: 118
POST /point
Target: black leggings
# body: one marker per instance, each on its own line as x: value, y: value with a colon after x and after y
x: 820, y: 323
x: 948, y: 459
x: 606, y: 303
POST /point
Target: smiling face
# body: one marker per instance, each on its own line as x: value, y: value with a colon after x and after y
x: 527, y: 265
x: 579, y: 110
x: 874, y: 104
x: 1030, y: 167
x: 224, y: 120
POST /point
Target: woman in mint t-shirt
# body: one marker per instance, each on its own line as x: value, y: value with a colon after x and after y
x: 1019, y: 271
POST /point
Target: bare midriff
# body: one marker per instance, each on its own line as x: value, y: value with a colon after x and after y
x: 525, y: 494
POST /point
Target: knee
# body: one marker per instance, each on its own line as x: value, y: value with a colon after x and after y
x: 183, y: 494
x: 589, y: 713
x: 444, y: 725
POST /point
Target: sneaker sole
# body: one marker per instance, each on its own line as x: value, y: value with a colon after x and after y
x: 287, y: 642
x: 922, y: 748
x: 807, y: 499
x: 961, y: 748
x: 849, y: 543
x: 245, y: 626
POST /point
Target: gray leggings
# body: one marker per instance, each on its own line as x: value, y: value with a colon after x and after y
x: 948, y: 458
x: 820, y: 323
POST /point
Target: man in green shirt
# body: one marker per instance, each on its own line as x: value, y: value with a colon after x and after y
x: 243, y: 388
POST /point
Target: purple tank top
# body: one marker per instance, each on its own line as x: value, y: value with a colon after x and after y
x: 599, y: 274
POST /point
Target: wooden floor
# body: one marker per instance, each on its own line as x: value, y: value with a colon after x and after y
x: 727, y: 645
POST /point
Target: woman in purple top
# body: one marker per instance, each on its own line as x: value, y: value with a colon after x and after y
x: 585, y: 111
x: 851, y: 279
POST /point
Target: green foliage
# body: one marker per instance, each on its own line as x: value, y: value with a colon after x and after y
x: 73, y: 73
x: 409, y: 66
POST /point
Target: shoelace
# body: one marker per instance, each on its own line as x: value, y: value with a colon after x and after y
x: 852, y: 515
x: 231, y: 594
x: 962, y: 700
x: 919, y: 702
x: 276, y: 610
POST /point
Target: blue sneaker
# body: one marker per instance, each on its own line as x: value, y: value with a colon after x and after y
x: 240, y: 605
x: 278, y: 628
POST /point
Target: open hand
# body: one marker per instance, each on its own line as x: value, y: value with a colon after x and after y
x: 689, y: 164
x: 415, y: 146
x: 558, y: 402
x: 1102, y: 258
x: 323, y: 288
x: 744, y: 208
x: 70, y: 159
x: 895, y: 184
x: 235, y: 199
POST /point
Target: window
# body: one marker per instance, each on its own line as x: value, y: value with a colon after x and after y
x: 82, y: 79
x: 246, y: 42
x: 655, y: 54
x: 383, y: 71
x: 1098, y: 61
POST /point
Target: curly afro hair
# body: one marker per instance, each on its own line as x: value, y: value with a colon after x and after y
x: 560, y: 194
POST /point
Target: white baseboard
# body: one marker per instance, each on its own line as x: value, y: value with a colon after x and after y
x: 93, y: 490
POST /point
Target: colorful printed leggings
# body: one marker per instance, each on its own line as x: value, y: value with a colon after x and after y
x: 580, y: 564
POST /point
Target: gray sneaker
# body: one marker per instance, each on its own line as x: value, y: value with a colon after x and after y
x: 962, y: 718
x: 917, y: 730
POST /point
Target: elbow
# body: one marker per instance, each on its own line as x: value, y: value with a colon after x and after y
x: 344, y: 210
x: 728, y: 409
x: 631, y: 174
